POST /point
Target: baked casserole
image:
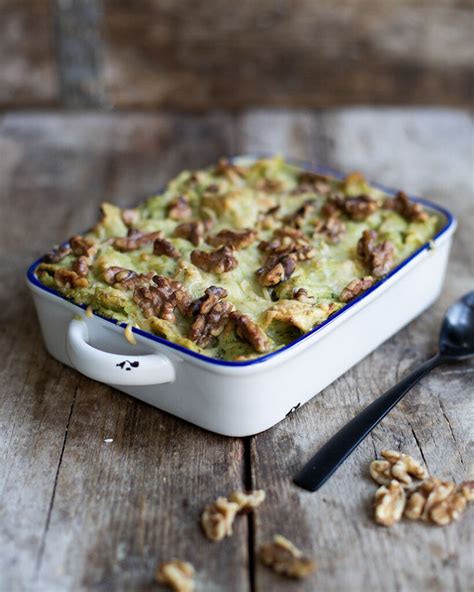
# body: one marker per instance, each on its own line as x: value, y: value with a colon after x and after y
x: 239, y: 259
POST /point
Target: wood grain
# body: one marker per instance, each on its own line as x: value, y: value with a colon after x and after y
x: 293, y: 53
x: 78, y: 512
x: 28, y: 75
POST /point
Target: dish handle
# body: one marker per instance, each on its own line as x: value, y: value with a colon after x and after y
x: 117, y: 369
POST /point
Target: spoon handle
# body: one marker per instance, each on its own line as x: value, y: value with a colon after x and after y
x: 339, y: 447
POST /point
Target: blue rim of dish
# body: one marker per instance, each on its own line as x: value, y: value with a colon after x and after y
x: 217, y: 362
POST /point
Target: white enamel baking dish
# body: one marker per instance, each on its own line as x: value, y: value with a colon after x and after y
x: 243, y: 398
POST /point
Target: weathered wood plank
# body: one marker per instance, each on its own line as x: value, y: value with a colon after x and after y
x: 77, y: 512
x: 27, y: 60
x: 190, y: 55
x: 434, y: 422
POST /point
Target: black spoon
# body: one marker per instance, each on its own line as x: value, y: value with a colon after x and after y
x: 456, y: 343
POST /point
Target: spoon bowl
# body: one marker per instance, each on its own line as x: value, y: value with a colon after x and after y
x: 456, y: 339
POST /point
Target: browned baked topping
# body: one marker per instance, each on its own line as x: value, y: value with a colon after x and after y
x: 378, y: 258
x: 212, y: 313
x: 247, y: 501
x: 81, y: 265
x: 389, y: 503
x: 284, y: 558
x: 161, y: 297
x: 221, y: 260
x: 57, y: 255
x: 66, y: 278
x: 218, y: 518
x: 249, y: 331
x: 333, y: 228
x: 191, y: 231
x: 411, y: 211
x: 163, y: 246
x: 177, y: 575
x: 130, y: 216
x: 238, y: 239
x: 297, y: 219
x: 135, y: 240
x: 356, y: 287
x: 302, y: 295
x: 179, y: 209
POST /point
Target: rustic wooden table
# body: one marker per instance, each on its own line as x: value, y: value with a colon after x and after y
x: 96, y: 487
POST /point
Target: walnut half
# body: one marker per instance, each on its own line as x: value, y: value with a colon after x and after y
x: 218, y: 518
x: 177, y: 575
x: 284, y: 558
x: 389, y: 503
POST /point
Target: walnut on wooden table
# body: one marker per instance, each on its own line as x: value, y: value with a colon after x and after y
x: 284, y: 558
x: 247, y: 501
x: 177, y: 575
x: 218, y: 518
x: 396, y: 465
x: 389, y: 503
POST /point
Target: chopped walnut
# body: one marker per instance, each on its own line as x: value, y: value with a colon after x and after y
x: 162, y: 246
x: 356, y: 287
x: 179, y: 209
x: 284, y: 558
x: 333, y: 228
x: 389, y: 503
x: 191, y: 231
x: 177, y: 575
x: 212, y: 313
x: 221, y: 260
x: 229, y: 170
x: 211, y: 296
x: 247, y: 501
x: 411, y: 211
x: 302, y: 295
x: 360, y: 207
x: 81, y: 245
x: 297, y: 219
x: 218, y: 518
x: 81, y: 265
x: 238, y: 239
x: 314, y: 182
x: 249, y: 331
x: 161, y: 298
x: 270, y: 185
x: 57, y: 255
x: 377, y: 257
x: 288, y: 246
x: 135, y: 240
x: 467, y: 489
x: 396, y: 465
x: 276, y: 270
x: 125, y: 279
x: 267, y: 219
x: 66, y: 278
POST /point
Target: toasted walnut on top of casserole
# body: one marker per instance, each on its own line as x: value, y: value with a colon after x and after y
x: 238, y: 260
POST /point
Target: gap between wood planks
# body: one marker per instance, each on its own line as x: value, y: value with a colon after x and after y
x: 53, y: 493
x: 248, y: 485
